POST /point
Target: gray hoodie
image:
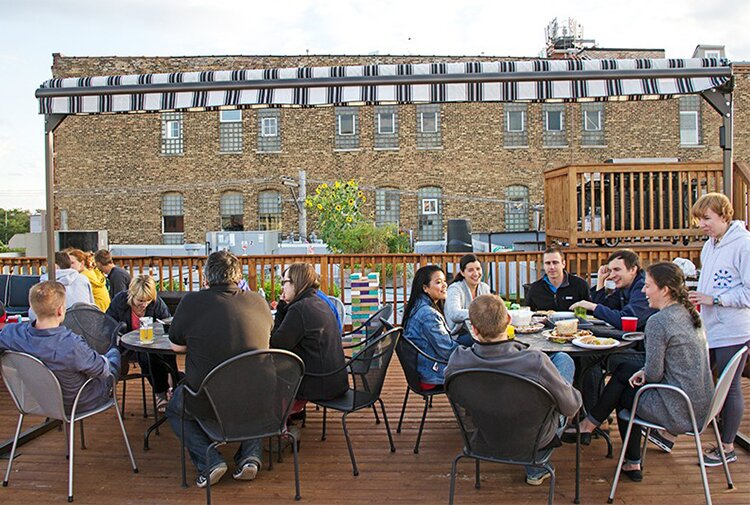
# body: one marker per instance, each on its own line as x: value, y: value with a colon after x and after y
x: 725, y: 272
x: 77, y: 288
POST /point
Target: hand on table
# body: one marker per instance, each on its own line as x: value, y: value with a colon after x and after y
x: 637, y: 379
x: 590, y: 306
x: 698, y: 298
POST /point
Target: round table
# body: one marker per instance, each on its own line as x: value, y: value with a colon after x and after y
x: 539, y: 342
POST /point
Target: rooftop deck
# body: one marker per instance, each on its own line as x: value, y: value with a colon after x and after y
x: 103, y: 475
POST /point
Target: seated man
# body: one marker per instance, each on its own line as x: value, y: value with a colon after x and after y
x: 118, y: 279
x: 557, y: 289
x: 66, y: 354
x: 492, y: 349
x: 624, y: 269
x: 211, y: 326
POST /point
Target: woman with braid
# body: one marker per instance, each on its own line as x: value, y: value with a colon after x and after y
x: 676, y: 354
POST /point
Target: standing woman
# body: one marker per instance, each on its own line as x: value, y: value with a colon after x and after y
x: 84, y: 264
x: 724, y: 296
x: 425, y: 325
x: 466, y: 286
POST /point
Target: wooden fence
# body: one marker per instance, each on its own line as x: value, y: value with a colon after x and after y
x: 506, y: 272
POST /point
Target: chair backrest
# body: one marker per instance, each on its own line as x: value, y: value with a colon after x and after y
x: 722, y: 386
x: 96, y: 327
x: 18, y: 290
x: 408, y: 355
x: 501, y: 415
x: 373, y: 324
x: 373, y: 363
x: 34, y: 388
x: 252, y: 393
x: 4, y: 279
x: 340, y: 308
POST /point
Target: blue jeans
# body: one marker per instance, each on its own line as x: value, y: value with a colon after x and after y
x: 567, y: 369
x: 197, y: 441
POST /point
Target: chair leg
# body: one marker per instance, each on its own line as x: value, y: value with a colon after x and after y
x: 297, y: 495
x: 83, y: 437
x: 730, y: 484
x: 375, y: 411
x: 182, y: 447
x: 403, y: 411
x: 124, y: 390
x: 270, y: 453
x: 280, y: 459
x: 453, y: 478
x: 620, y: 461
x: 387, y: 426
x: 644, y: 448
x: 355, y: 470
x: 699, y: 449
x: 125, y: 437
x: 143, y: 394
x: 67, y: 440
x: 13, y: 450
x: 208, y: 476
x: 551, y: 471
x: 70, y: 459
x: 421, y: 425
x: 323, y: 436
x: 477, y: 484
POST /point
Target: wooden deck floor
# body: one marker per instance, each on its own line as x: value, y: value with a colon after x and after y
x: 103, y: 474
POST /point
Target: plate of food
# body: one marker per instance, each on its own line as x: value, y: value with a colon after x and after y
x: 530, y: 328
x: 592, y: 342
x: 559, y: 338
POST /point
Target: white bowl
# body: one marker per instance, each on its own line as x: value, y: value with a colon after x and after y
x: 520, y: 317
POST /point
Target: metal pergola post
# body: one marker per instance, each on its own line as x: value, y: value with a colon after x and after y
x: 51, y: 122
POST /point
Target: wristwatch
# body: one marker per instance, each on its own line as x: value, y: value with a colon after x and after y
x: 717, y: 301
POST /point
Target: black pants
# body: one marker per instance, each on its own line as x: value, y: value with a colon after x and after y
x: 163, y: 366
x: 593, y: 373
x: 619, y: 395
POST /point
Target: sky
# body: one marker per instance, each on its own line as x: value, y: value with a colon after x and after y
x: 31, y: 30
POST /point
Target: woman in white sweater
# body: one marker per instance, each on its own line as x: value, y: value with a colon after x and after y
x: 724, y: 298
x: 466, y: 285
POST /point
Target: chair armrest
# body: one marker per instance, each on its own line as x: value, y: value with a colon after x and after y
x: 667, y: 387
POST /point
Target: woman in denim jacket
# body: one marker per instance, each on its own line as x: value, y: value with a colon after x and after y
x: 425, y: 326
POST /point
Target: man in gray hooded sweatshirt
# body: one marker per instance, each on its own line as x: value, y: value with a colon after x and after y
x: 77, y: 287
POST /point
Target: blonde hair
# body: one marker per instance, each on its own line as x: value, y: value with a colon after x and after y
x: 46, y: 297
x: 717, y: 202
x: 143, y: 287
x: 489, y: 316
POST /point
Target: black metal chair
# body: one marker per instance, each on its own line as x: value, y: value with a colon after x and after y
x: 502, y: 417
x: 251, y: 395
x: 369, y: 327
x: 365, y: 388
x: 408, y: 354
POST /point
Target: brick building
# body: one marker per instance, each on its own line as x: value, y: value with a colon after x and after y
x: 170, y: 177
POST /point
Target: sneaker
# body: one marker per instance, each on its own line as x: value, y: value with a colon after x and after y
x: 712, y: 457
x: 161, y: 402
x: 215, y: 475
x: 247, y: 471
x: 537, y: 479
x: 659, y: 441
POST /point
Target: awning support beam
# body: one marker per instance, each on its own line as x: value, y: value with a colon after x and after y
x: 51, y: 122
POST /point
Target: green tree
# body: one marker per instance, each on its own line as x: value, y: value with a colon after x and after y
x: 13, y: 221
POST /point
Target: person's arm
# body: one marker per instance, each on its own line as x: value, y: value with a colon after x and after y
x: 531, y: 297
x: 657, y: 340
x: 161, y: 311
x: 438, y: 336
x: 87, y: 361
x: 454, y: 309
x: 289, y: 332
x: 179, y: 327
x: 739, y: 295
x: 120, y: 281
x: 281, y: 309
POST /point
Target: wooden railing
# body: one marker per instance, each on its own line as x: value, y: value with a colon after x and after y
x: 506, y: 272
x: 633, y: 203
x: 741, y: 191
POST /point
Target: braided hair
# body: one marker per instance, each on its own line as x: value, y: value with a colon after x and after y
x: 670, y: 276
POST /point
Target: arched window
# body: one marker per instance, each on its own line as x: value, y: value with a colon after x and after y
x: 172, y: 218
x: 516, y: 208
x: 269, y: 210
x: 430, y: 200
x: 387, y: 206
x: 232, y: 210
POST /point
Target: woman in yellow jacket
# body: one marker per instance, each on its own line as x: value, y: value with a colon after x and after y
x: 84, y: 263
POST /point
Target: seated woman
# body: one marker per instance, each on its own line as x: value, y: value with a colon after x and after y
x: 466, y: 285
x: 138, y: 301
x: 84, y: 264
x: 676, y: 354
x: 306, y: 326
x: 424, y: 324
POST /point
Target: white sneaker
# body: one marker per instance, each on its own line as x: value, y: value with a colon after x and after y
x: 215, y: 475
x: 247, y: 471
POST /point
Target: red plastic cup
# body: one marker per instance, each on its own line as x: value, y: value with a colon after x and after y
x: 629, y: 323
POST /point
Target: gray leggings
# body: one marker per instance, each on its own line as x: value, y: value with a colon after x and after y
x: 734, y: 406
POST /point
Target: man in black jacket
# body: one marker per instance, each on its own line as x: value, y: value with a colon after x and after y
x: 118, y: 279
x: 557, y: 289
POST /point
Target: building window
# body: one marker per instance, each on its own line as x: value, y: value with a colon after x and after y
x: 347, y: 128
x: 232, y: 210
x: 516, y: 208
x: 430, y: 213
x: 690, y: 121
x: 553, y: 120
x: 171, y: 133
x: 269, y: 127
x: 554, y: 134
x: 386, y: 127
x: 172, y: 218
x: 269, y: 130
x: 515, y: 134
x: 592, y: 124
x: 387, y: 206
x: 230, y: 131
x: 428, y: 126
x: 269, y: 210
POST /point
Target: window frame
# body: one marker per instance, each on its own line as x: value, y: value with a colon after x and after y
x: 170, y: 127
x: 265, y: 127
x: 430, y: 206
x: 422, y: 115
x: 696, y: 129
x: 339, y: 122
x: 586, y: 114
x: 381, y: 130
x: 508, y: 122
x: 547, y: 114
x: 222, y: 119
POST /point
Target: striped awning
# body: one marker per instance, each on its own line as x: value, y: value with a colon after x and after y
x: 501, y: 81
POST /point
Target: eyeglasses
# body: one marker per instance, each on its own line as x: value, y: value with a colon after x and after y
x: 284, y: 281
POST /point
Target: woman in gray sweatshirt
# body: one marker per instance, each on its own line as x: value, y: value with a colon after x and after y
x: 676, y: 354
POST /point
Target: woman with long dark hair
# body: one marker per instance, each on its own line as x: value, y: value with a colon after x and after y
x: 424, y: 323
x: 465, y: 286
x: 676, y: 354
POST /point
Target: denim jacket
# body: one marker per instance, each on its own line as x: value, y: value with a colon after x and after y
x: 426, y: 327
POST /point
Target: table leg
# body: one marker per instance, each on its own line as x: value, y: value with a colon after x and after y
x: 577, y: 498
